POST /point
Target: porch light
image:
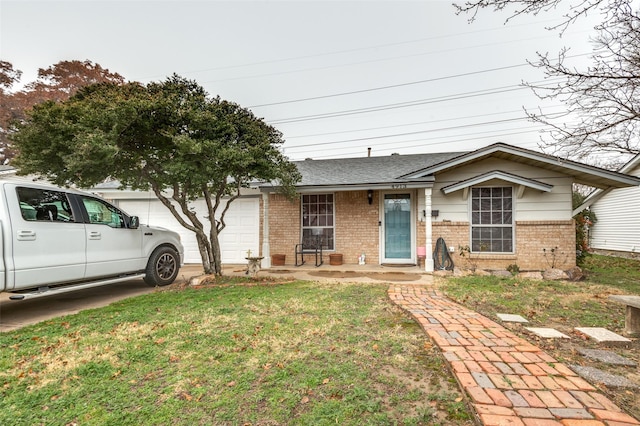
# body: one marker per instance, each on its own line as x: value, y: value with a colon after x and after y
x: 370, y: 196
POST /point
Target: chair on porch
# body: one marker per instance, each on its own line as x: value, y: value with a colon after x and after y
x: 310, y: 245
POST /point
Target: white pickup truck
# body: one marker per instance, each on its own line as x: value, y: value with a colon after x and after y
x: 57, y: 240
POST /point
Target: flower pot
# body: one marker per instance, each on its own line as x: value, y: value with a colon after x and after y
x: 335, y: 259
x: 277, y: 259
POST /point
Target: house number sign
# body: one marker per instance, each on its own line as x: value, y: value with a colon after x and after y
x: 399, y: 186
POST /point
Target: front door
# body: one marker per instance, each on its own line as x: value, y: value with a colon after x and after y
x: 397, y: 228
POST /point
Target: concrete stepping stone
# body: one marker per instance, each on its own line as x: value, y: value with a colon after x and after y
x: 511, y: 318
x: 607, y: 357
x: 602, y: 335
x: 547, y: 333
x: 595, y: 375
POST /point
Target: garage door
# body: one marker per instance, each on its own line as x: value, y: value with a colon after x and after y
x: 240, y: 234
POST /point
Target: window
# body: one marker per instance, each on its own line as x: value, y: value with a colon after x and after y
x: 103, y: 213
x: 492, y: 220
x: 44, y: 205
x: 317, y: 219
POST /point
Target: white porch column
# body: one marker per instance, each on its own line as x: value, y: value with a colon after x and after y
x: 428, y: 244
x: 266, y: 262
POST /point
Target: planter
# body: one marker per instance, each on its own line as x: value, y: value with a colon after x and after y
x: 278, y: 259
x: 335, y: 259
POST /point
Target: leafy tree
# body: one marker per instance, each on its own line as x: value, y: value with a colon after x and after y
x: 170, y: 137
x: 57, y: 83
x: 603, y: 102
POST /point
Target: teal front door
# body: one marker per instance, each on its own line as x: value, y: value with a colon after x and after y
x: 397, y: 228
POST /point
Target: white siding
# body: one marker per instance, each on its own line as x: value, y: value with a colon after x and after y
x: 534, y: 205
x: 618, y: 214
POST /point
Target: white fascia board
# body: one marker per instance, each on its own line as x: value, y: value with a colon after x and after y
x: 356, y: 187
x: 530, y: 155
x: 497, y: 174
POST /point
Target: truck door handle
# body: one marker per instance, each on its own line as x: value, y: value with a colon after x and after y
x: 94, y: 235
x: 26, y: 235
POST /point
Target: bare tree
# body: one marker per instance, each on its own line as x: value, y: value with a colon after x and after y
x: 602, y: 118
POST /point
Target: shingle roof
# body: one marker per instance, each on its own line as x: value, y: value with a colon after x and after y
x: 366, y: 170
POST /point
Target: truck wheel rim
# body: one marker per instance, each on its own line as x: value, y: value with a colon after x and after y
x: 166, y: 266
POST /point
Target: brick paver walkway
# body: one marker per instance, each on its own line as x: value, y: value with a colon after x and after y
x: 508, y: 380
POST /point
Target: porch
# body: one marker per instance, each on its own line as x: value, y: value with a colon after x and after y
x: 341, y: 273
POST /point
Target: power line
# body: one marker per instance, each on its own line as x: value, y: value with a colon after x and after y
x: 459, y: 96
x: 508, y: 120
x: 408, y: 124
x: 393, y: 86
x: 396, y: 148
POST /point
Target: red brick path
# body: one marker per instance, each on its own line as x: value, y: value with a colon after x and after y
x: 509, y: 381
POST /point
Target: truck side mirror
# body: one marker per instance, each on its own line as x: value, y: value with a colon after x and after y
x: 134, y: 222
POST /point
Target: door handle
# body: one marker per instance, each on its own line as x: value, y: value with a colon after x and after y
x: 26, y: 235
x: 95, y: 235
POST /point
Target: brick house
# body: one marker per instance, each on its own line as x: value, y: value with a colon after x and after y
x: 508, y: 205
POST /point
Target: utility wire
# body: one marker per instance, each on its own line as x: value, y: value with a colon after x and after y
x: 396, y: 148
x: 411, y: 83
x: 486, y: 123
x: 458, y: 96
x: 409, y: 124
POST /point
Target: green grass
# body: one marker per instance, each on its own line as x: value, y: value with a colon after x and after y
x: 298, y: 353
x: 583, y: 303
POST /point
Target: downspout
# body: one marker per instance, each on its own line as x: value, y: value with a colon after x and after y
x: 266, y: 261
x: 428, y: 244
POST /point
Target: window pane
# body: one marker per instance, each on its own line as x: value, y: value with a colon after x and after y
x: 44, y: 204
x: 507, y: 218
x: 317, y: 219
x: 496, y: 218
x: 491, y: 207
x: 485, y: 218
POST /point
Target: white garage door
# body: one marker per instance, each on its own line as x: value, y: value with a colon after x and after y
x: 240, y: 234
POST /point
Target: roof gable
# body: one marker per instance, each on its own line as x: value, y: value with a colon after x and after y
x: 497, y: 174
x: 582, y: 173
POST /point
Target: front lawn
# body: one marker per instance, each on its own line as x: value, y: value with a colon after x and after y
x: 236, y: 353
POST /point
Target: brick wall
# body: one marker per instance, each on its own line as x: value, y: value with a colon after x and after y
x: 532, y: 238
x: 357, y: 232
x: 284, y: 225
x: 357, y: 228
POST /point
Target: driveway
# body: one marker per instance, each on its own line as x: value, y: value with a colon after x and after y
x: 17, y: 314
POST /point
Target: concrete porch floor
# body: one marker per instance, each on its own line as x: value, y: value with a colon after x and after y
x: 346, y: 272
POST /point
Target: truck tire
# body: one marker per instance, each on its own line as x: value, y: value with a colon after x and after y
x: 162, y: 268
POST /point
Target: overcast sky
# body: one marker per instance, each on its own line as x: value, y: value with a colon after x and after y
x: 335, y: 77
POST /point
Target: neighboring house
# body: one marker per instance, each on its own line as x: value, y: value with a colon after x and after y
x: 617, y: 228
x: 509, y: 205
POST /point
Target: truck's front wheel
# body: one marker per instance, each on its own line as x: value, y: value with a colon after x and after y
x: 162, y: 268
